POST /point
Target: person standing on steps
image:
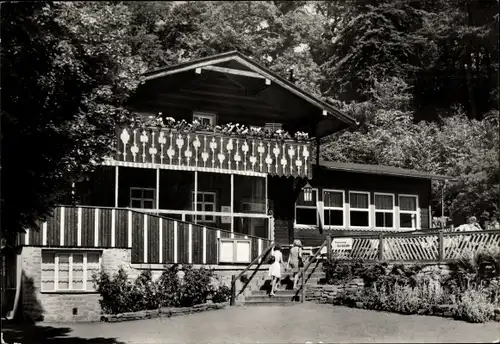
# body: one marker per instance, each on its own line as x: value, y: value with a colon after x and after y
x: 275, y: 268
x: 294, y: 261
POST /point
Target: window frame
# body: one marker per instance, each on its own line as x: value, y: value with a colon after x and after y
x: 201, y: 215
x: 211, y: 116
x: 393, y: 211
x: 416, y: 212
x: 142, y: 199
x: 368, y: 210
x: 85, y: 264
x: 343, y: 208
x: 307, y: 207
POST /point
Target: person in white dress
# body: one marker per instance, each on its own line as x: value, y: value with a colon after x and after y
x: 275, y: 268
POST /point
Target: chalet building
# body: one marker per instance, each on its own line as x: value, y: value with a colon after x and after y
x: 225, y: 162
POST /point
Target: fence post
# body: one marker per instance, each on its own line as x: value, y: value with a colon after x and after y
x: 440, y: 246
x: 381, y: 247
x: 328, y: 248
x: 233, y: 291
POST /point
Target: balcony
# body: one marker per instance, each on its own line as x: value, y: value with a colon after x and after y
x: 211, y: 152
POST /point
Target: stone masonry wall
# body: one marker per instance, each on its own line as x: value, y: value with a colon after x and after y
x: 327, y: 293
x: 58, y: 306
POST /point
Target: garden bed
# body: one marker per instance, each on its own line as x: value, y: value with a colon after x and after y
x: 163, y: 312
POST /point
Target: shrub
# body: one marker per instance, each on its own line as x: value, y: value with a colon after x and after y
x: 169, y: 287
x: 222, y: 294
x: 114, y: 292
x: 196, y: 286
x: 144, y: 292
x: 474, y: 306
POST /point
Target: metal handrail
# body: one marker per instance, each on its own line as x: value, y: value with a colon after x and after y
x: 307, y: 267
x: 235, y: 278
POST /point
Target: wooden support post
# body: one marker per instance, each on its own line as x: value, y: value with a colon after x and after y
x: 195, y: 198
x: 329, y: 248
x: 233, y: 291
x: 441, y: 246
x: 318, y: 143
x: 232, y: 206
x: 116, y: 186
x: 381, y: 247
x: 303, y: 285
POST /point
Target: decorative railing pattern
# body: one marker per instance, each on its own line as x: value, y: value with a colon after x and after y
x: 205, y: 150
x: 417, y: 247
x: 152, y: 238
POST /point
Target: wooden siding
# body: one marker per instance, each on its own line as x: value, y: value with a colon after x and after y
x: 195, y: 244
x: 202, y: 150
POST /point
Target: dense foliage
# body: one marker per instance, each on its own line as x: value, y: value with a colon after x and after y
x: 119, y: 294
x: 68, y: 68
x: 472, y: 287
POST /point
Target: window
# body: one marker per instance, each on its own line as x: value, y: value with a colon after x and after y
x: 69, y: 271
x: 408, y: 211
x: 359, y: 213
x: 205, y: 118
x: 306, y: 213
x: 384, y: 210
x: 205, y: 202
x: 333, y: 208
x: 143, y: 198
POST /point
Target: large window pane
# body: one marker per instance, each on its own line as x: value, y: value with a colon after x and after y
x: 359, y: 218
x: 215, y: 192
x: 333, y: 199
x: 249, y: 194
x: 176, y: 188
x: 252, y: 226
x: 306, y: 216
x: 384, y: 220
x: 63, y: 272
x: 384, y: 202
x: 136, y: 185
x: 99, y: 190
x: 407, y: 220
x: 334, y: 217
x: 358, y: 200
x: 408, y: 203
x: 48, y: 271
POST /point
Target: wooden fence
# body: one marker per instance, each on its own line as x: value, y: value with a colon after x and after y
x: 152, y: 238
x: 431, y: 247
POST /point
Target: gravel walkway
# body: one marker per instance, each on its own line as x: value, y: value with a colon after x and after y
x: 299, y: 323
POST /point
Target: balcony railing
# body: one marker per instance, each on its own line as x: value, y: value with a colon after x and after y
x: 152, y: 239
x: 207, y: 151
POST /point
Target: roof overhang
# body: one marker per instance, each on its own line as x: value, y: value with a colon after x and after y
x: 382, y: 170
x: 256, y: 70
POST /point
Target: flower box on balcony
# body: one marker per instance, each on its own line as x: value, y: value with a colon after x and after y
x: 204, y: 150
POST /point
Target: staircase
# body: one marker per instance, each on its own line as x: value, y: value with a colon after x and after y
x: 285, y: 295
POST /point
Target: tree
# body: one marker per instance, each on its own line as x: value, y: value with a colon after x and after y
x: 67, y: 68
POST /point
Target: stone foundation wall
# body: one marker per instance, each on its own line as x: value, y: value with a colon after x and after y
x: 60, y: 306
x: 327, y: 293
x: 36, y: 305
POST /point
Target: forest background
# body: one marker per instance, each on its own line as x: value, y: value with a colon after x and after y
x: 421, y: 77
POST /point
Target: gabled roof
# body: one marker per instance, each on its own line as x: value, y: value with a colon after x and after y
x: 255, y: 67
x: 381, y: 170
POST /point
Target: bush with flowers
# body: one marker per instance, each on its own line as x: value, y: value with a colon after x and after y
x: 230, y: 129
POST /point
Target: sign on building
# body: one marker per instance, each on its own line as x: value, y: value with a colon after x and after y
x: 342, y: 244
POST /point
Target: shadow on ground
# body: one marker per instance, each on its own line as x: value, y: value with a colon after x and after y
x: 35, y: 333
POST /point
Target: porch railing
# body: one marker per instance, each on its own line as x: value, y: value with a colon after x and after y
x: 152, y: 239
x: 212, y: 151
x: 431, y: 247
